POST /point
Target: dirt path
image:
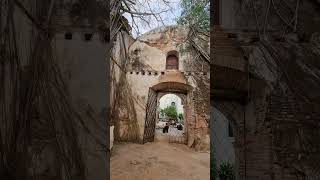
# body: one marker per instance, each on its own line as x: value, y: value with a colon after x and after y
x: 158, y: 161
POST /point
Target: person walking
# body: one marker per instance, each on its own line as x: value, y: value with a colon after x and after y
x: 166, y: 128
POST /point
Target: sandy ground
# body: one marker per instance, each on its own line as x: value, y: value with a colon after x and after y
x: 159, y: 160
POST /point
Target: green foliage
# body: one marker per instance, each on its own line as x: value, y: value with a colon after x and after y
x: 180, y: 118
x: 213, y: 166
x: 226, y: 172
x: 195, y: 13
x: 169, y: 111
x: 162, y: 112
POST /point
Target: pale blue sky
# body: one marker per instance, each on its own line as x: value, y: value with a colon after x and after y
x: 167, y: 12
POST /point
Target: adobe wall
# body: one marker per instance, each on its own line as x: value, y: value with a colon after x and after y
x: 62, y: 87
x: 277, y: 141
x: 84, y: 68
x: 277, y: 127
x: 146, y: 63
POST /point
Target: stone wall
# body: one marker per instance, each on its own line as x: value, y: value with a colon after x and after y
x: 288, y: 110
x: 61, y: 84
x: 295, y: 137
x: 273, y: 129
x: 83, y: 66
x: 122, y: 100
x: 145, y: 67
x: 275, y: 138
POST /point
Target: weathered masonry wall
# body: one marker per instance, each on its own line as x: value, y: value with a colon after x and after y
x: 294, y: 126
x: 277, y: 78
x: 121, y: 99
x: 287, y: 111
x: 61, y: 96
x: 81, y: 50
x: 140, y: 85
x: 239, y: 16
x: 146, y: 65
x: 83, y: 65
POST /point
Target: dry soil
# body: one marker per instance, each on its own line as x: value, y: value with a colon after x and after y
x: 158, y: 160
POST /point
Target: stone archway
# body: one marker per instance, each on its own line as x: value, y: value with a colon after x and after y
x: 182, y: 96
x: 229, y: 147
x: 173, y: 135
x: 155, y: 93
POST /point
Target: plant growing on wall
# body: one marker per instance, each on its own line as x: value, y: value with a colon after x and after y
x: 226, y: 171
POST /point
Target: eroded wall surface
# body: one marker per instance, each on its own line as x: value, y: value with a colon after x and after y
x: 61, y: 129
x: 83, y: 65
x: 273, y: 138
x: 146, y: 63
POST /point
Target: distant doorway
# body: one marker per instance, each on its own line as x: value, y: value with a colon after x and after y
x: 170, y: 118
x: 166, y: 117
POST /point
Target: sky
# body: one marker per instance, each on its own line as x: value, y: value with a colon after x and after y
x: 167, y: 99
x: 167, y: 12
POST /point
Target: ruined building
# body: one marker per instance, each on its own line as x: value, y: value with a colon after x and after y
x: 265, y: 81
x: 53, y: 90
x: 143, y: 70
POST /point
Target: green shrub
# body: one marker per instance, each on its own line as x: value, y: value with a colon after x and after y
x: 226, y: 171
x: 213, y: 167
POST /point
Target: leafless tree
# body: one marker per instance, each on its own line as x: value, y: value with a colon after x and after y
x: 141, y: 12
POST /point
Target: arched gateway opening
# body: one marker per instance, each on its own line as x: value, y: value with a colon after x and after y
x: 223, y: 141
x: 170, y: 118
x: 157, y: 94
